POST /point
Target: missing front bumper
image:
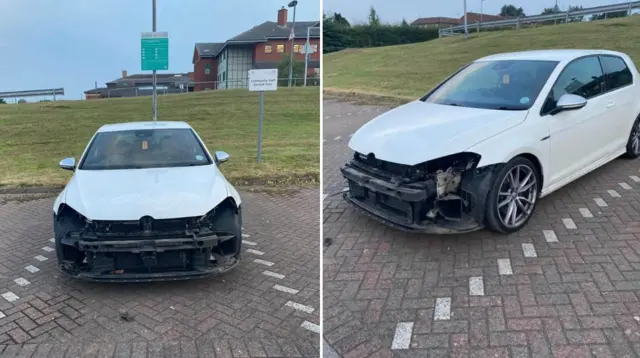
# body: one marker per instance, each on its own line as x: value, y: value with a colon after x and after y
x: 139, y: 259
x: 411, y: 208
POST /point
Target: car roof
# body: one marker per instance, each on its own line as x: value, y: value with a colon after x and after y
x: 549, y: 55
x: 116, y: 127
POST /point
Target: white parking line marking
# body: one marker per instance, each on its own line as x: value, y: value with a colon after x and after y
x: 32, y: 269
x: 300, y: 307
x: 402, y: 337
x: 348, y: 114
x: 585, y: 212
x: 635, y: 178
x: 10, y: 296
x: 569, y: 224
x: 2, y: 315
x: 255, y: 252
x: 40, y: 258
x: 442, y: 312
x: 53, y: 239
x: 337, y: 138
x: 529, y: 251
x: 250, y: 243
x: 613, y: 193
x: 338, y: 115
x: 246, y: 235
x: 21, y: 281
x: 504, y: 267
x: 286, y: 289
x: 47, y: 249
x: 550, y: 235
x: 324, y: 196
x: 476, y: 286
x: 263, y: 262
x: 273, y: 274
x: 600, y: 202
x: 345, y: 190
x: 310, y: 326
x: 625, y: 186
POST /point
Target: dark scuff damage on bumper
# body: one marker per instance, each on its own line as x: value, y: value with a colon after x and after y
x: 444, y: 196
x: 172, y: 249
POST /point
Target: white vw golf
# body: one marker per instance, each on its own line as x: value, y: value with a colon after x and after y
x: 483, y: 146
x: 147, y: 202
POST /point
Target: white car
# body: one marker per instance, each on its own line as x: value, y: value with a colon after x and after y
x: 483, y: 146
x: 147, y: 202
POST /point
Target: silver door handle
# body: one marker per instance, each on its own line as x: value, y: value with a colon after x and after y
x: 611, y: 104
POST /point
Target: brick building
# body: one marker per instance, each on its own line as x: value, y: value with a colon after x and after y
x: 142, y: 85
x: 222, y: 65
x: 440, y: 22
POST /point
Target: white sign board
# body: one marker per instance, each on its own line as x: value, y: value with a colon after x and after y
x: 263, y: 80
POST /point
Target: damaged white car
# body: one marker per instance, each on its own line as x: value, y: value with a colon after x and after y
x: 483, y: 146
x: 147, y: 202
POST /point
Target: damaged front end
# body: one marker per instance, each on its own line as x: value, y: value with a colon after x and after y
x: 444, y: 195
x: 149, y: 249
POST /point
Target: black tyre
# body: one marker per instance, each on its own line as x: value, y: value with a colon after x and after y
x: 633, y: 144
x: 513, y: 196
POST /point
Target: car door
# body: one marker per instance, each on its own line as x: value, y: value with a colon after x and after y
x: 576, y: 136
x: 620, y: 100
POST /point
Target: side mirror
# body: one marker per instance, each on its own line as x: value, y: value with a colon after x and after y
x: 569, y: 102
x: 68, y: 164
x: 221, y: 157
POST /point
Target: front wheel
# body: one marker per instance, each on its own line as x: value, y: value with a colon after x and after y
x: 633, y: 144
x: 513, y: 196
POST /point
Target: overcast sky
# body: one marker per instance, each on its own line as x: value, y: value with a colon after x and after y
x: 396, y: 10
x: 72, y: 43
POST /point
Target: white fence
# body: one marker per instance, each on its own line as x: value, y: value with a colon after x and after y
x: 519, y: 21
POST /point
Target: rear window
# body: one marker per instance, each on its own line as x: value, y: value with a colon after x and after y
x: 617, y: 74
x: 146, y: 148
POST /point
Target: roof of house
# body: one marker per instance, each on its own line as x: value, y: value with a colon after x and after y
x: 549, y: 55
x: 148, y: 78
x: 485, y: 17
x: 143, y: 125
x: 434, y: 20
x: 268, y: 30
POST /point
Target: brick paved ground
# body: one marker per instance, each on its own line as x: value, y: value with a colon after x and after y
x: 568, y: 285
x: 240, y: 314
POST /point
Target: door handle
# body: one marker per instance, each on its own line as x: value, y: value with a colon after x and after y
x: 611, y: 104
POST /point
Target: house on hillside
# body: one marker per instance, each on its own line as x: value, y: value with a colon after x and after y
x: 222, y: 65
x: 142, y: 85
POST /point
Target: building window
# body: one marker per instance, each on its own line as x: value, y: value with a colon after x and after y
x: 280, y: 49
x: 296, y: 48
x: 314, y: 47
x: 267, y: 49
x: 207, y: 69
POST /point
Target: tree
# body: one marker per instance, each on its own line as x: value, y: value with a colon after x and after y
x: 551, y: 10
x: 404, y: 23
x: 374, y: 20
x: 2, y: 101
x: 297, y: 72
x: 335, y: 18
x: 509, y: 10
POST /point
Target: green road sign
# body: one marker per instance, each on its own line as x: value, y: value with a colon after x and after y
x: 155, y: 51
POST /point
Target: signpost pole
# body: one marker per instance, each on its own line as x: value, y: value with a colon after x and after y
x: 155, y: 98
x: 260, y: 126
x: 306, y: 57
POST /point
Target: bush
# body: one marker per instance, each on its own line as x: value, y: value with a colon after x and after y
x: 337, y: 36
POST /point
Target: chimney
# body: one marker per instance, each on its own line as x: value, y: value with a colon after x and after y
x: 282, y: 17
x: 124, y: 73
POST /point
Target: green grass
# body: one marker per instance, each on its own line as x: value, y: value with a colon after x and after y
x: 35, y: 137
x: 411, y: 70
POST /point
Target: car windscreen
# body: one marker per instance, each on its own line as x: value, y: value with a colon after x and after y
x: 501, y: 85
x: 144, y: 148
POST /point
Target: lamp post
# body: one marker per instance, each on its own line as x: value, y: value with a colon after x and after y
x: 481, y: 11
x: 466, y: 30
x: 292, y: 4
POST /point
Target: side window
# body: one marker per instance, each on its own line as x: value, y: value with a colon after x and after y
x: 616, y: 72
x: 582, y: 77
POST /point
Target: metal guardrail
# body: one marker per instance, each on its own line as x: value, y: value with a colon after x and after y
x: 627, y: 6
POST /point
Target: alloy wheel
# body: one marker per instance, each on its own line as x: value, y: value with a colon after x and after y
x: 635, y: 138
x: 517, y: 195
